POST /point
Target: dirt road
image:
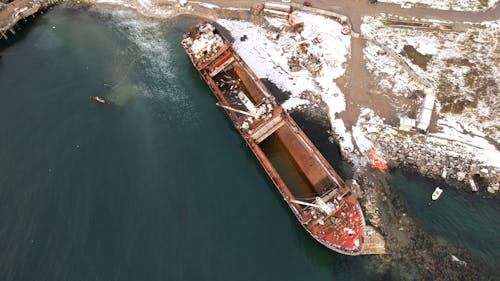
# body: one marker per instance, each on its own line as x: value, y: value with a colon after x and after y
x: 357, y: 84
x: 356, y: 9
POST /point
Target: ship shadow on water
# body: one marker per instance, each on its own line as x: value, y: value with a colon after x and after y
x: 315, y: 124
x: 313, y: 121
x: 281, y: 96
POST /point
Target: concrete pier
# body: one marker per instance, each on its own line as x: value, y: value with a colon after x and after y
x: 17, y: 10
x: 374, y: 242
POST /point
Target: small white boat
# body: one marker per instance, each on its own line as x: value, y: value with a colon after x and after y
x: 437, y: 192
x: 99, y: 99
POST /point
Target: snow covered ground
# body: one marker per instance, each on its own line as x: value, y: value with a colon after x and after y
x: 457, y: 5
x: 161, y: 9
x: 391, y: 75
x: 454, y: 135
x: 269, y: 59
x: 147, y: 8
x: 462, y: 67
x: 361, y: 132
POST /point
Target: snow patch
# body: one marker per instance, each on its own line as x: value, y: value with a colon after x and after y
x: 472, y: 141
x: 462, y: 61
x: 294, y: 102
x: 146, y: 8
x: 269, y: 59
x: 362, y: 142
x: 206, y: 5
x: 456, y: 5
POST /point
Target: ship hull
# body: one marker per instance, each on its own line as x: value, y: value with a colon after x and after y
x: 257, y: 117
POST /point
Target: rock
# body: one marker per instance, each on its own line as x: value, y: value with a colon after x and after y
x: 461, y: 176
x: 422, y: 170
x: 457, y: 260
x: 494, y: 187
x: 490, y: 189
x: 435, y: 169
x: 473, y: 185
x: 483, y: 172
x: 295, y: 68
x: 444, y: 174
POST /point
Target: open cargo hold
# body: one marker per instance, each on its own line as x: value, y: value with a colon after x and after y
x: 317, y: 196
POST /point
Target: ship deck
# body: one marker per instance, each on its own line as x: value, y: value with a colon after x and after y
x: 297, y: 168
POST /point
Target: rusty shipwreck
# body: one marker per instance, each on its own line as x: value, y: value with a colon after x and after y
x: 318, y: 197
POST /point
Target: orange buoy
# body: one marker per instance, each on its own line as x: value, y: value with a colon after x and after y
x: 378, y: 162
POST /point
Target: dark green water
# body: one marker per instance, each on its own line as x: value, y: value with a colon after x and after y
x: 155, y: 186
x: 467, y: 220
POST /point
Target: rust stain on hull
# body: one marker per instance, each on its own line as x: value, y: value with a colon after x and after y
x: 334, y: 217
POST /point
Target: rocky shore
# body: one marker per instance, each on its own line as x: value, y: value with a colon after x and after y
x: 459, y: 145
x: 420, y: 255
x: 431, y: 159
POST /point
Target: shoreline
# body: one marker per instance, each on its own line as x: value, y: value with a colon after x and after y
x: 12, y: 13
x: 368, y: 172
x: 395, y: 151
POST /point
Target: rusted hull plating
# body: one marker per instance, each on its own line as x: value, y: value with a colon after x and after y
x: 340, y: 224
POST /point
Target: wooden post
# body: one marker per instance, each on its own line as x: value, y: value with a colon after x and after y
x: 5, y: 36
x: 12, y: 31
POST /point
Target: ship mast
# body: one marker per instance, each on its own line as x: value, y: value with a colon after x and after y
x: 320, y: 204
x: 237, y: 110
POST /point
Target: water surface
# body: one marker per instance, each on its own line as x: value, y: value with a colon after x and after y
x: 155, y: 186
x: 469, y: 220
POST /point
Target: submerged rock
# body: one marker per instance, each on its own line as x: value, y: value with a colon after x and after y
x: 461, y: 176
x: 457, y: 260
